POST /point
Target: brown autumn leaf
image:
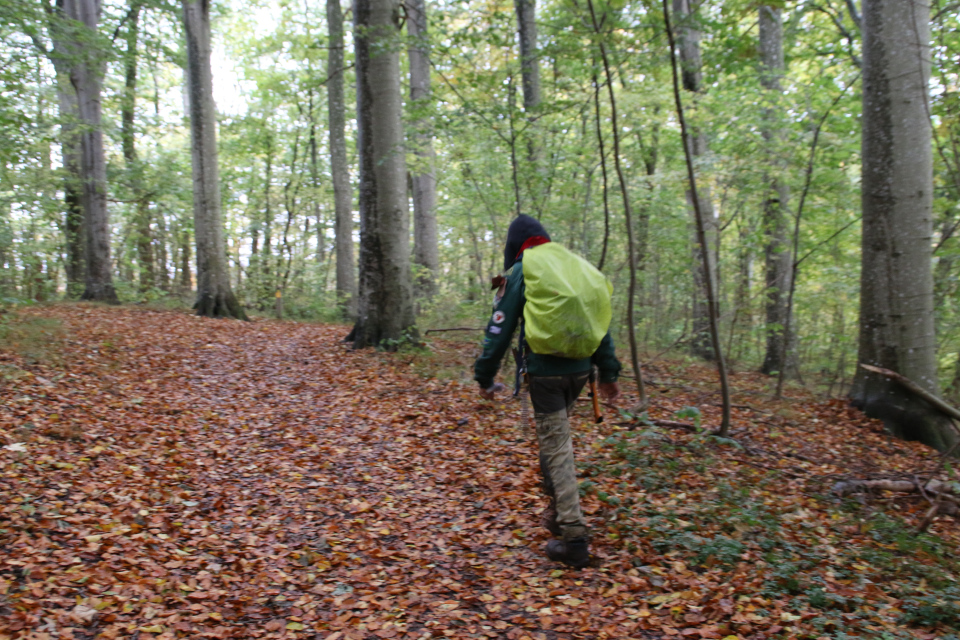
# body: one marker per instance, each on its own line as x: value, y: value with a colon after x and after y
x: 238, y: 480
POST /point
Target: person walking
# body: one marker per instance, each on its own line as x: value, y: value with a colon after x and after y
x: 556, y: 368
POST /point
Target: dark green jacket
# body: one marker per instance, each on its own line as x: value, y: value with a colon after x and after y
x: 507, y: 314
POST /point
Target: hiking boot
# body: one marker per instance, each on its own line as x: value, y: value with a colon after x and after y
x: 548, y: 520
x: 573, y: 553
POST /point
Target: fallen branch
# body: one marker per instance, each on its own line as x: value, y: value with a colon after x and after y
x: 942, y: 505
x: 669, y: 424
x: 673, y: 424
x: 945, y: 491
x: 656, y: 422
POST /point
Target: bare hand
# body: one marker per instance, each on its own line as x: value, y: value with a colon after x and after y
x: 609, y: 390
x: 488, y: 394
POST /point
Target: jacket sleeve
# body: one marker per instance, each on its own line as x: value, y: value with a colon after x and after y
x: 507, y: 312
x: 606, y: 360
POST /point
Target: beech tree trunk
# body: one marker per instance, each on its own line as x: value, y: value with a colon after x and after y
x: 688, y: 43
x: 385, y: 308
x: 896, y: 280
x: 339, y: 170
x: 63, y: 56
x: 777, y: 258
x: 215, y: 297
x: 86, y: 76
x: 76, y: 259
x: 423, y: 179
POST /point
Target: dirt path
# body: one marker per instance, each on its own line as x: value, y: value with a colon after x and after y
x: 167, y: 476
x: 252, y: 479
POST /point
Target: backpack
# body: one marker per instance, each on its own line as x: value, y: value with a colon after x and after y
x: 568, y: 311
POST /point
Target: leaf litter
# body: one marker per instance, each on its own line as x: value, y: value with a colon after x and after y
x: 178, y: 477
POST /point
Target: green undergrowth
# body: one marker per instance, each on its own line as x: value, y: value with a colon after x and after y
x: 843, y: 566
x: 34, y: 338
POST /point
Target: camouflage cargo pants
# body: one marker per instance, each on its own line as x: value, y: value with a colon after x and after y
x: 553, y: 398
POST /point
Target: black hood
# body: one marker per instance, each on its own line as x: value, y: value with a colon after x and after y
x: 521, y: 229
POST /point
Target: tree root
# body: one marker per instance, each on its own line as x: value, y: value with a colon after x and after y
x: 219, y: 305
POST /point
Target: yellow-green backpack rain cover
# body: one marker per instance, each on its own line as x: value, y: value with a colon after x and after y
x: 568, y: 310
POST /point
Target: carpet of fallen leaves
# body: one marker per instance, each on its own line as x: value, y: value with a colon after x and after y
x: 168, y: 476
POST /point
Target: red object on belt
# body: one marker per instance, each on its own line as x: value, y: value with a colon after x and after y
x: 532, y: 241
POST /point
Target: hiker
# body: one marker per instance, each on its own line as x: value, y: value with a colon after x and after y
x: 554, y: 381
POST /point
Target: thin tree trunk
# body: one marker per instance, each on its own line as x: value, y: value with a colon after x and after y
x: 702, y: 237
x: 688, y: 39
x: 777, y: 258
x: 215, y: 296
x: 631, y: 322
x: 265, y: 278
x: 339, y: 170
x: 143, y: 234
x: 162, y: 263
x: 86, y: 75
x: 529, y: 58
x: 186, y: 279
x: 603, y: 170
x: 425, y: 249
x: 315, y: 183
x: 530, y: 71
x: 289, y: 203
x: 385, y: 311
x: 514, y: 164
x: 743, y: 317
x: 6, y: 243
x: 478, y: 259
x: 896, y: 281
x: 794, y: 258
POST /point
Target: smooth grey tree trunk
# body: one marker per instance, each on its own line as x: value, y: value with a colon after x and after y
x: 76, y: 260
x: 777, y: 258
x: 339, y: 169
x: 896, y: 281
x: 423, y: 178
x: 63, y: 55
x: 688, y: 43
x: 86, y: 76
x: 215, y: 297
x: 385, y: 314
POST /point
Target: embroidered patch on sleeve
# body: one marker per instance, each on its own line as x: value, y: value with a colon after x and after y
x: 499, y: 317
x: 495, y: 329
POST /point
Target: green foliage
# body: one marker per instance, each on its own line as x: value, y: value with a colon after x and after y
x: 34, y: 338
x: 691, y: 413
x: 931, y: 610
x: 493, y: 160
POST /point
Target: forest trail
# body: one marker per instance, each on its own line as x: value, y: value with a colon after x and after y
x: 172, y: 476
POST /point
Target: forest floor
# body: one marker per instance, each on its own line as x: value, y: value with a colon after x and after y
x: 168, y: 476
